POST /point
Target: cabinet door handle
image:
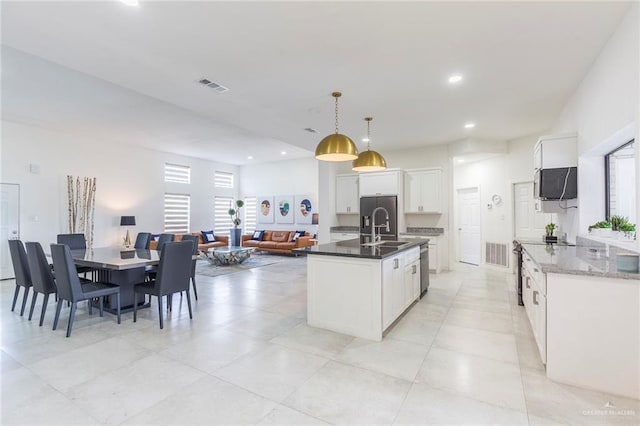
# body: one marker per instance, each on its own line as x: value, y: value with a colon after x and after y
x: 413, y: 269
x: 527, y: 283
x: 535, y: 297
x: 395, y: 263
x: 535, y: 270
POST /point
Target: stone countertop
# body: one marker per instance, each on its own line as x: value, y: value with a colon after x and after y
x: 580, y: 260
x: 354, y: 248
x: 426, y: 232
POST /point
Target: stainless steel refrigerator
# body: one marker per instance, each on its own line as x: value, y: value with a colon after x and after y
x: 368, y: 205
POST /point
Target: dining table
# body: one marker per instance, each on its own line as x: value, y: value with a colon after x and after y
x: 121, y: 266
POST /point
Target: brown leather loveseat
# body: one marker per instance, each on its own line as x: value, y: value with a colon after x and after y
x: 278, y: 241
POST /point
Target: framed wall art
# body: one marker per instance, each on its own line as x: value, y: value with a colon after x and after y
x: 266, y: 208
x: 305, y: 208
x: 284, y: 209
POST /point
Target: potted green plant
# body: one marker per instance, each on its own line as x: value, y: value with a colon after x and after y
x: 549, y: 229
x: 235, y: 233
x: 618, y: 222
x: 627, y: 230
x: 600, y: 229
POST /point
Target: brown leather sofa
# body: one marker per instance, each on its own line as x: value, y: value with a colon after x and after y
x: 278, y: 242
x: 221, y: 241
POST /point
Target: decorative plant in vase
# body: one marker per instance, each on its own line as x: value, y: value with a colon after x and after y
x: 602, y: 228
x: 549, y: 229
x: 235, y: 234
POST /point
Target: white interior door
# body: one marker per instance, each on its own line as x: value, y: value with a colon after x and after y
x: 9, y: 225
x: 469, y: 226
x: 528, y: 222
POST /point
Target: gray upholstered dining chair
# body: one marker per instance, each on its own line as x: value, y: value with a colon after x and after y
x: 195, y: 239
x: 70, y: 287
x: 164, y: 239
x: 174, y: 272
x: 142, y: 240
x: 22, y: 273
x: 41, y: 277
x: 76, y: 242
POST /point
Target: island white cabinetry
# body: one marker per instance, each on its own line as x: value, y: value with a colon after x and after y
x: 358, y: 296
x: 422, y: 191
x: 380, y: 183
x: 534, y: 296
x: 347, y: 197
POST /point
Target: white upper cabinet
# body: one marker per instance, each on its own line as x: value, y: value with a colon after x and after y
x: 423, y: 191
x: 380, y: 183
x: 347, y: 198
x: 555, y: 151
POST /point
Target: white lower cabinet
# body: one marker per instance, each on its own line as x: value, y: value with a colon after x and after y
x: 400, y: 284
x: 534, y: 296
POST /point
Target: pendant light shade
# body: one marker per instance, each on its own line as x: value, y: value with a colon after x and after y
x: 369, y: 161
x: 336, y: 147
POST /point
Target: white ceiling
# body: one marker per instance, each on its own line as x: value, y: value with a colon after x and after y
x: 521, y: 61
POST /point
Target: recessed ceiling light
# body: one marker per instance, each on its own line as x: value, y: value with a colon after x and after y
x: 460, y: 160
x: 470, y: 125
x: 284, y: 153
x: 455, y: 78
x: 365, y: 139
x: 250, y: 157
x: 130, y: 2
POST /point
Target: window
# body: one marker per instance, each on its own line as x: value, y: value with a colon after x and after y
x: 223, y: 180
x: 249, y: 221
x: 177, y: 173
x: 176, y: 213
x: 222, y: 220
x: 620, y: 185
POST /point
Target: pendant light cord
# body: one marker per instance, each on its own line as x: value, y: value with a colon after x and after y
x: 336, y: 115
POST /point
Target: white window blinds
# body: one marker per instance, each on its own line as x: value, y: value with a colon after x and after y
x: 223, y: 180
x: 176, y: 213
x: 177, y: 173
x: 249, y: 222
x: 222, y: 220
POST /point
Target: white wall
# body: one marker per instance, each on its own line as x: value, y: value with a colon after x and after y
x: 602, y: 110
x: 130, y: 181
x: 287, y: 177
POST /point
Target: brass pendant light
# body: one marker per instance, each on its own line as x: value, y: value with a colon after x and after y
x: 369, y: 161
x: 336, y: 147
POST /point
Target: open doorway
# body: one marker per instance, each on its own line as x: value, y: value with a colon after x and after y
x: 469, y: 241
x: 9, y: 225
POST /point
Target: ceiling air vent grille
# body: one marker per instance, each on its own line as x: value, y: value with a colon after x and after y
x: 213, y: 85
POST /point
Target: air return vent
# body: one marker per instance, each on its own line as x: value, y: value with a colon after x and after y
x: 213, y: 85
x: 496, y: 254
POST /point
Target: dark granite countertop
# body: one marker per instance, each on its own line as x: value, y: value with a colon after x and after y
x: 421, y: 231
x: 353, y: 248
x: 599, y: 261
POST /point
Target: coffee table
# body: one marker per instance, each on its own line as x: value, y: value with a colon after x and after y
x: 228, y: 255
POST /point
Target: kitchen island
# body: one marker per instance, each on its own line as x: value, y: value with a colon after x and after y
x: 584, y: 309
x: 362, y: 290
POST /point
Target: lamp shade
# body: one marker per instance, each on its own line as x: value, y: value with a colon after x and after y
x: 127, y: 220
x: 369, y: 161
x: 336, y: 147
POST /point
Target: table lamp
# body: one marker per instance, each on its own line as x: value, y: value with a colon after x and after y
x: 127, y: 221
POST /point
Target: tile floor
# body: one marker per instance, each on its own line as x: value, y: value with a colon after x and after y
x: 463, y: 355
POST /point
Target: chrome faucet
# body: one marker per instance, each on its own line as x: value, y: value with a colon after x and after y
x: 373, y: 224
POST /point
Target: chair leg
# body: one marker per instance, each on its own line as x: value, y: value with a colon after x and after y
x: 160, y: 311
x: 189, y: 304
x: 33, y: 304
x: 58, y: 308
x: 170, y: 302
x: 44, y: 308
x: 90, y: 306
x: 101, y: 302
x: 24, y: 300
x: 195, y: 290
x: 118, y: 303
x: 135, y: 306
x: 72, y: 316
x: 15, y: 298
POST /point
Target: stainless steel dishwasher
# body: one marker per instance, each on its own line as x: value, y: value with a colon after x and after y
x: 424, y: 268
